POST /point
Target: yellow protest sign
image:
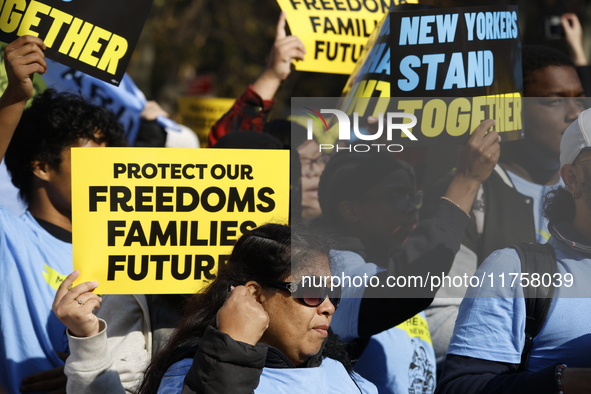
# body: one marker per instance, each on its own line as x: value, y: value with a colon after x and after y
x: 447, y: 68
x: 200, y: 113
x: 96, y: 38
x: 158, y: 221
x: 334, y: 31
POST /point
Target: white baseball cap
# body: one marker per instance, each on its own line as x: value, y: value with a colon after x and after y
x: 576, y: 137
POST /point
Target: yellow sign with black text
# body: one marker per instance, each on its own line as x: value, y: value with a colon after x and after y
x: 200, y: 113
x: 95, y: 37
x: 334, y: 32
x: 161, y: 221
x: 450, y: 68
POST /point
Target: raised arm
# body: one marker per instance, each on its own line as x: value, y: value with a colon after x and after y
x: 573, y: 34
x: 431, y: 247
x: 476, y: 161
x: 22, y: 58
x: 285, y: 50
x: 250, y: 110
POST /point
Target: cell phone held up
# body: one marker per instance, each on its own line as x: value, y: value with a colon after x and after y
x: 553, y: 28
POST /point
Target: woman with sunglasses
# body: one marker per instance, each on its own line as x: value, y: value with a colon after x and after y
x: 260, y: 326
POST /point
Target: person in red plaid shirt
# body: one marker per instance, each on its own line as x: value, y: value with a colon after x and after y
x: 250, y: 111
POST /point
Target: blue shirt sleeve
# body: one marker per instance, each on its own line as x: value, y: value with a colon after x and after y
x: 173, y: 380
x: 491, y: 319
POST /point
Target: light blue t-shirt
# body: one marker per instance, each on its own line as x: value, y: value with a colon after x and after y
x: 537, y: 193
x: 329, y: 378
x: 491, y: 320
x: 9, y: 198
x: 398, y: 360
x: 32, y: 265
x: 401, y: 359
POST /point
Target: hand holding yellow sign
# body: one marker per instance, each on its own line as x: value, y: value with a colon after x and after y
x: 158, y: 221
x: 333, y: 31
x: 96, y: 38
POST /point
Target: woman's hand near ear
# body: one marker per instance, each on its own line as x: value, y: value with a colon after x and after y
x: 242, y: 317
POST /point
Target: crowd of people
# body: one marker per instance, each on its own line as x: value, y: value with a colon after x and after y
x: 257, y: 327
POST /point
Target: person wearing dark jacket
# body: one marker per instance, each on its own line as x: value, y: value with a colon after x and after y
x: 260, y: 326
x: 369, y: 204
x: 486, y: 348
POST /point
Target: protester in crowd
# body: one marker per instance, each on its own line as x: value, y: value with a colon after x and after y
x: 508, y: 207
x: 369, y: 204
x: 112, y: 355
x: 258, y: 326
x: 145, y: 123
x: 35, y: 248
x: 251, y: 110
x: 489, y: 337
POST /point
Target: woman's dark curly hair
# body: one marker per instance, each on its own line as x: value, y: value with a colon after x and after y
x: 53, y: 122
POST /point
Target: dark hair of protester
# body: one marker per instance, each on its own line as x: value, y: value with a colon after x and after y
x: 291, y: 134
x: 53, y: 122
x: 150, y: 135
x: 349, y: 175
x: 267, y: 253
x: 537, y: 57
x: 559, y: 206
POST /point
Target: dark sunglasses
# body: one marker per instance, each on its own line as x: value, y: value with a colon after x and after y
x: 311, y: 296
